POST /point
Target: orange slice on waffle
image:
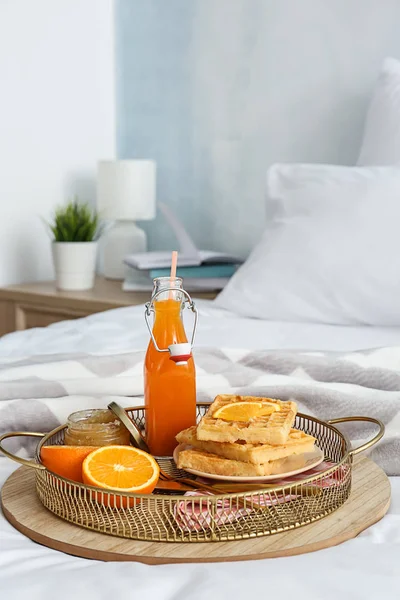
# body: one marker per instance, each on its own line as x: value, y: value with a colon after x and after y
x: 245, y: 411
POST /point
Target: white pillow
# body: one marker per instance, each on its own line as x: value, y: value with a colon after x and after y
x: 381, y: 142
x: 331, y: 253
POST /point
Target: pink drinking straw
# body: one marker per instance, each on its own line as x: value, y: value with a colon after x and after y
x: 174, y: 262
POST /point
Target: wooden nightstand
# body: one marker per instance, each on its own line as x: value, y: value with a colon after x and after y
x: 28, y: 305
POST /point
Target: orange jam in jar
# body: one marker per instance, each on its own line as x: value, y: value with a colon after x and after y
x: 95, y: 427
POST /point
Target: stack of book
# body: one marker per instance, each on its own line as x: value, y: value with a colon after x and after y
x: 208, y: 272
x: 201, y: 269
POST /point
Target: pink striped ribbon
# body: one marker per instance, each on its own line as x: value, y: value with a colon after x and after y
x: 196, y: 515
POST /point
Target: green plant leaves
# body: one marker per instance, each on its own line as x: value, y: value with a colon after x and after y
x: 75, y: 222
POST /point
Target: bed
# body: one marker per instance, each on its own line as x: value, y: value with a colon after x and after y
x: 312, y: 314
x: 361, y: 568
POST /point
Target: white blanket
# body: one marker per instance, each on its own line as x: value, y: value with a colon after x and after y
x: 37, y: 394
x: 366, y: 568
x: 124, y: 330
x: 362, y: 569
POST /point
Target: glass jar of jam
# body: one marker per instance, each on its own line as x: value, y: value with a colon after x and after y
x: 95, y: 427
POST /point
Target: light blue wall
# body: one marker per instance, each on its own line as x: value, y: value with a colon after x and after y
x: 154, y: 105
x: 217, y: 90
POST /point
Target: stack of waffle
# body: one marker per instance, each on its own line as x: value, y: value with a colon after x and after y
x: 245, y: 436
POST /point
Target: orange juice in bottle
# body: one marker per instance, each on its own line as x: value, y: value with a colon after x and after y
x: 169, y: 370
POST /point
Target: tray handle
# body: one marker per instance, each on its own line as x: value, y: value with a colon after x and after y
x: 22, y: 461
x: 370, y: 442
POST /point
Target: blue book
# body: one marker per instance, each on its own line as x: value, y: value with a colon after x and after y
x: 202, y: 271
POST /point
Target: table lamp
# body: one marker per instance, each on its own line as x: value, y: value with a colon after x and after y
x: 126, y: 192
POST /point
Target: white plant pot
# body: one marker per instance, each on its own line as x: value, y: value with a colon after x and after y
x: 74, y: 264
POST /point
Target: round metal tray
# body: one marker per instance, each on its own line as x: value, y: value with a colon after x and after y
x: 203, y: 518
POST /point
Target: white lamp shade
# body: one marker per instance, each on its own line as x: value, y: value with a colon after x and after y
x: 126, y: 189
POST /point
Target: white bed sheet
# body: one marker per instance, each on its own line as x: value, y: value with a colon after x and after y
x: 364, y: 568
x: 124, y: 329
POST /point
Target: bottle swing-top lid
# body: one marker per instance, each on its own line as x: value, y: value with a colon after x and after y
x: 181, y: 352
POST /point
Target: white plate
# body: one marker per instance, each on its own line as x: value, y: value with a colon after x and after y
x: 312, y: 459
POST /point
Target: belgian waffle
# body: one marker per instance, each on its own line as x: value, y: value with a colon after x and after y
x: 270, y: 429
x: 213, y: 464
x: 298, y: 442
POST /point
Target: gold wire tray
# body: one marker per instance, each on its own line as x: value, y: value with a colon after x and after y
x: 204, y: 518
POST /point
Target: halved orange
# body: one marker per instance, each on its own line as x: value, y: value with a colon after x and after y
x: 244, y: 411
x: 66, y: 460
x: 121, y: 468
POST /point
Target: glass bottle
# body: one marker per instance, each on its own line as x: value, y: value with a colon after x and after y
x: 169, y: 387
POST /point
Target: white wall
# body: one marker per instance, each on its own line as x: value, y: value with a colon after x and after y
x: 57, y: 119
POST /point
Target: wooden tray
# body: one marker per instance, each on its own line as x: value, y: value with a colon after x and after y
x: 368, y: 503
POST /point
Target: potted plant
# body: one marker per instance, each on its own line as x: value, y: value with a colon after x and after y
x: 76, y: 230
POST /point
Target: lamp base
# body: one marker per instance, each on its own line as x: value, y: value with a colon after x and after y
x: 124, y: 238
